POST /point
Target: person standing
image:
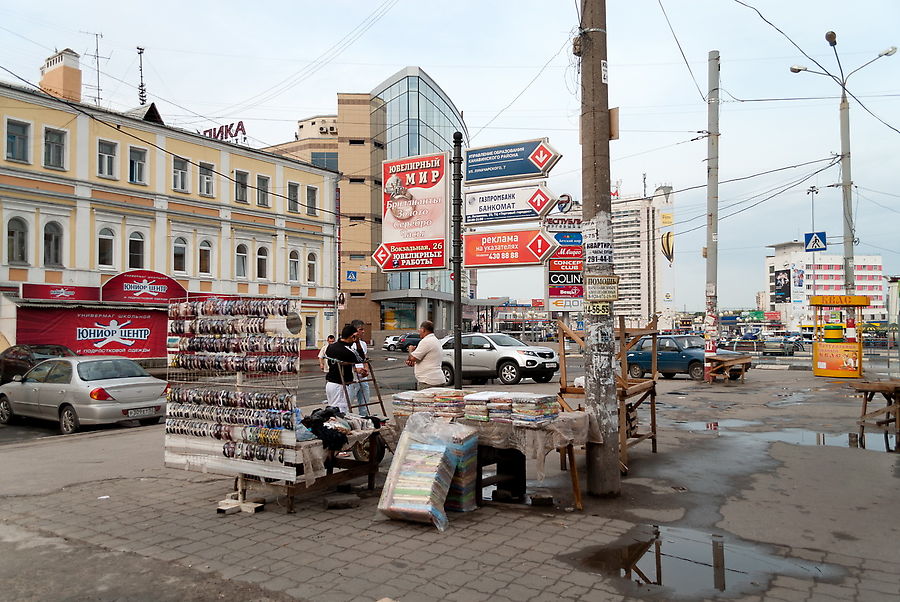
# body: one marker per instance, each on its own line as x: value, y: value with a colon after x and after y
x: 425, y: 358
x: 341, y: 361
x: 322, y: 363
x: 363, y: 394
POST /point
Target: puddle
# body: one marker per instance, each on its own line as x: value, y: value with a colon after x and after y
x: 686, y: 564
x: 873, y: 441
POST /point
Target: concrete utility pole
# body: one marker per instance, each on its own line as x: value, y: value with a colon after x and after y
x: 711, y: 330
x: 847, y: 193
x: 603, y: 477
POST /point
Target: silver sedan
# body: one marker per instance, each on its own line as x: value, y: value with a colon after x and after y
x: 85, y: 390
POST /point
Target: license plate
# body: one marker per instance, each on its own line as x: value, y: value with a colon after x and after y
x: 551, y: 365
x: 140, y: 412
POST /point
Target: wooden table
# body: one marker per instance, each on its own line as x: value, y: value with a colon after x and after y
x: 883, y: 417
x: 722, y: 364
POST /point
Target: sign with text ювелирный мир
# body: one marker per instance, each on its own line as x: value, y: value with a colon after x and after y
x: 526, y: 160
x: 511, y: 204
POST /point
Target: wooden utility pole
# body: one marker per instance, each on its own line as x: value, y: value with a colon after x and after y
x: 603, y: 477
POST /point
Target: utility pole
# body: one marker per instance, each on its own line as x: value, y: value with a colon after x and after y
x: 456, y: 258
x: 603, y: 477
x: 711, y: 330
x: 846, y: 185
x: 812, y: 191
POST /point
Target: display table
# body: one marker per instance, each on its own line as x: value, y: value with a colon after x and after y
x: 721, y: 365
x: 889, y: 414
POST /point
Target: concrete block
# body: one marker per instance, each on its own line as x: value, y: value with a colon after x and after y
x: 542, y: 499
x: 228, y: 506
x: 341, y: 502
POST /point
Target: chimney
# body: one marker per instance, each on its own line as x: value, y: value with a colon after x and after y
x: 61, y: 75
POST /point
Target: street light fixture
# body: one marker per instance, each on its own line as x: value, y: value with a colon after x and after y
x: 846, y: 180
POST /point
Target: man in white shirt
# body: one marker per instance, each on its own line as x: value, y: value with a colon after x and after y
x: 425, y: 358
x: 322, y: 363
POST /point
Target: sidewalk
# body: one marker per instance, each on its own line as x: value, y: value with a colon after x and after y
x: 823, y: 518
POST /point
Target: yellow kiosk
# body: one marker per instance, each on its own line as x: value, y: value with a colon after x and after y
x: 837, y: 348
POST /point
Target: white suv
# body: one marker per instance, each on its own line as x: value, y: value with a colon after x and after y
x: 495, y: 355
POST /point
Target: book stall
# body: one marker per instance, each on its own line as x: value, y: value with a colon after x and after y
x: 233, y: 407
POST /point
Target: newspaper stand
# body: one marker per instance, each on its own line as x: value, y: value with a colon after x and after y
x: 631, y: 393
x: 837, y: 357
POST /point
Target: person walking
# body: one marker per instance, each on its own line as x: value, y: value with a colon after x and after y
x: 425, y: 358
x: 363, y: 394
x: 322, y: 363
x: 341, y: 361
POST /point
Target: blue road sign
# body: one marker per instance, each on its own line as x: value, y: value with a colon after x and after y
x: 568, y: 239
x: 351, y: 276
x: 814, y: 241
x: 516, y: 161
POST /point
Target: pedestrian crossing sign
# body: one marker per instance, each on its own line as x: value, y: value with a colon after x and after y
x: 814, y: 241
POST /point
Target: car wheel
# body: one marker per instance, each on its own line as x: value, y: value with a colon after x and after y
x: 695, y: 370
x: 6, y: 413
x: 669, y: 375
x: 509, y: 373
x: 448, y: 374
x: 542, y: 378
x: 150, y: 421
x: 635, y: 371
x: 392, y: 347
x: 68, y: 420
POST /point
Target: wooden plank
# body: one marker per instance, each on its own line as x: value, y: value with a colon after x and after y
x: 639, y: 388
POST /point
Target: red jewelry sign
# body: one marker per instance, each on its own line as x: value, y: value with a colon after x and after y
x: 142, y: 286
x: 415, y: 223
x: 95, y: 331
x: 503, y: 249
x: 60, y: 292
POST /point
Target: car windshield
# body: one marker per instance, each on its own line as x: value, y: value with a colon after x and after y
x: 109, y: 369
x: 43, y: 352
x: 691, y: 342
x: 504, y: 340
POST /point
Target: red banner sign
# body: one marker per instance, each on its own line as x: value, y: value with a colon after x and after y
x: 133, y: 334
x: 537, y: 303
x: 419, y: 255
x: 566, y: 292
x: 60, y: 292
x: 566, y: 265
x: 568, y: 252
x: 142, y: 286
x: 501, y: 249
x: 772, y: 315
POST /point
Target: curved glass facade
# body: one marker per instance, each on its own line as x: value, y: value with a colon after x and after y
x: 417, y: 118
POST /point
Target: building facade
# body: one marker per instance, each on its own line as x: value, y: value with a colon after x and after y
x: 793, y: 276
x: 87, y: 193
x: 643, y: 242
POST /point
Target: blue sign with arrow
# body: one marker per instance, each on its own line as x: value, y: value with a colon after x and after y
x: 814, y: 241
x: 516, y: 161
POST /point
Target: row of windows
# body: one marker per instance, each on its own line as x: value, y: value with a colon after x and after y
x: 18, y: 135
x: 17, y: 253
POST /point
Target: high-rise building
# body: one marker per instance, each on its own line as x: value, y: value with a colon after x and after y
x: 642, y: 257
x: 793, y: 276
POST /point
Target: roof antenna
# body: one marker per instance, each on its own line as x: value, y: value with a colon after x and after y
x: 142, y: 89
x: 97, y: 58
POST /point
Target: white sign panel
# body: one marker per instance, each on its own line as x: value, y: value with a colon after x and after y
x: 512, y: 204
x: 567, y: 222
x: 570, y: 305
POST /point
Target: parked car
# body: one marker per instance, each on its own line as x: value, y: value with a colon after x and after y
x: 19, y: 359
x: 680, y: 354
x: 390, y: 343
x: 778, y: 346
x: 495, y: 355
x: 410, y: 338
x: 85, y: 390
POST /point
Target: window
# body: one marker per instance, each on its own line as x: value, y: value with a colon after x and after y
x: 17, y: 141
x: 240, y: 186
x: 311, y: 267
x: 137, y: 166
x: 294, y: 266
x: 17, y: 241
x: 205, y: 257
x: 106, y: 159
x: 179, y: 255
x: 262, y: 191
x: 293, y: 197
x: 355, y: 257
x: 240, y: 261
x: 54, y: 148
x: 53, y: 245
x: 105, y: 241
x: 180, y: 174
x: 206, y: 179
x: 136, y: 251
x: 312, y: 199
x: 262, y: 262
x: 327, y: 160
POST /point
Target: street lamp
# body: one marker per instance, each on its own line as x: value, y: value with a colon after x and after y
x: 846, y: 180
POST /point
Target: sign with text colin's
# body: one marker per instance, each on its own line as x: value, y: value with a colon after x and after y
x: 526, y: 160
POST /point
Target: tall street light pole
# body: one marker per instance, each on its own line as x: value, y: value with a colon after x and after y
x: 846, y: 179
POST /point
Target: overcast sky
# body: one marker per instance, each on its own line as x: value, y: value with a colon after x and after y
x: 508, y: 66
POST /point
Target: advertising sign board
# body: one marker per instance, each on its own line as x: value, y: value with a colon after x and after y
x: 514, y: 204
x: 526, y: 160
x: 568, y: 239
x: 602, y: 288
x: 567, y: 291
x: 501, y: 249
x: 415, y: 213
x: 142, y: 286
x: 60, y: 292
x: 568, y: 252
x: 782, y: 286
x: 565, y: 265
x: 569, y: 222
x: 566, y: 305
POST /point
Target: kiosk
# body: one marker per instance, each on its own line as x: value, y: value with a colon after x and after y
x: 837, y: 349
